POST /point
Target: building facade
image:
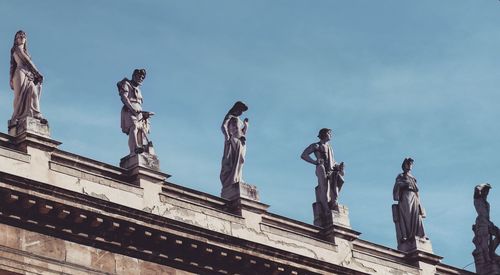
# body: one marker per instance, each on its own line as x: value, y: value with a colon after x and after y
x: 62, y: 213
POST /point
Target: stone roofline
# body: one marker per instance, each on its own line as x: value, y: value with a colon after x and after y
x: 95, y: 197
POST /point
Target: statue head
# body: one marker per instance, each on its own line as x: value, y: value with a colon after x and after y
x: 138, y: 76
x: 481, y: 190
x: 325, y: 133
x: 407, y: 164
x: 20, y: 38
x: 238, y: 108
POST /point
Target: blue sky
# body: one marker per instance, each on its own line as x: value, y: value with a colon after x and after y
x: 391, y: 78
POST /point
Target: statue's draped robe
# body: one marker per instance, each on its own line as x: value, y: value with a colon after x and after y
x: 131, y: 121
x: 26, y: 92
x: 234, y: 151
x: 409, y: 208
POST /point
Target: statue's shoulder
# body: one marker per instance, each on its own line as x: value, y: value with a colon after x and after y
x: 124, y: 85
x: 229, y: 116
x: 314, y: 146
x: 17, y: 50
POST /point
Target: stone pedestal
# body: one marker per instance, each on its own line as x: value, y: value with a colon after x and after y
x: 340, y: 217
x: 240, y: 190
x: 29, y: 125
x: 145, y: 160
x: 32, y: 136
x: 420, y: 244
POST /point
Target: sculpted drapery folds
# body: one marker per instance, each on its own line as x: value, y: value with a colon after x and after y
x: 134, y: 121
x: 408, y: 213
x: 25, y: 80
x: 330, y: 174
x: 234, y: 131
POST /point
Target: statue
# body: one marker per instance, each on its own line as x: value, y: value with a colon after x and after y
x: 486, y: 234
x: 134, y: 121
x: 408, y: 213
x: 330, y: 174
x: 234, y: 131
x: 26, y: 82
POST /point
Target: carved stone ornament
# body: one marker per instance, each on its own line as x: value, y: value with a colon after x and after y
x: 233, y: 158
x: 486, y: 234
x: 26, y: 82
x: 134, y: 121
x: 330, y: 179
x: 408, y: 212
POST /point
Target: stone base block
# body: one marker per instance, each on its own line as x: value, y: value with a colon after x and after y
x: 340, y: 217
x: 145, y: 160
x: 420, y: 244
x: 29, y: 125
x: 240, y: 190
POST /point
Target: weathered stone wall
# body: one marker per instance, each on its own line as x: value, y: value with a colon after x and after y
x: 26, y: 252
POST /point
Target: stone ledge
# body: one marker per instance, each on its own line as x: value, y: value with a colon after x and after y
x: 15, y: 155
x: 191, y: 195
x: 298, y: 237
x: 422, y: 256
x: 290, y: 224
x: 395, y: 263
x: 417, y: 244
x: 237, y: 205
x: 82, y: 162
x: 95, y: 178
x: 22, y: 141
x: 201, y: 208
x: 334, y: 231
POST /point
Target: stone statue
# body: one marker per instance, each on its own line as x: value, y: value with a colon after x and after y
x: 486, y: 234
x: 408, y: 212
x: 234, y: 131
x: 26, y: 81
x: 330, y: 174
x: 134, y: 121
